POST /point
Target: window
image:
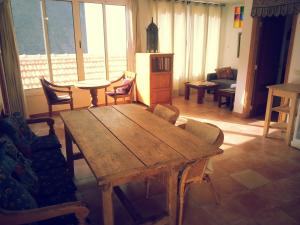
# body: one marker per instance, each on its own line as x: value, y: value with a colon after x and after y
x: 46, y: 37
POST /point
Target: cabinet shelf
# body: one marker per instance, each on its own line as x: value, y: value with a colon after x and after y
x: 154, y: 78
x: 282, y: 109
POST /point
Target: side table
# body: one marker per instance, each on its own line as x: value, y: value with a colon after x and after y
x: 228, y: 94
x: 201, y: 86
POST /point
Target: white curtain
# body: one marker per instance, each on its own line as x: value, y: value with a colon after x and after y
x: 11, y: 65
x: 213, y: 39
x: 190, y: 30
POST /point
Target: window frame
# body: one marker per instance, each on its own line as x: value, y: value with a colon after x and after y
x: 75, y: 4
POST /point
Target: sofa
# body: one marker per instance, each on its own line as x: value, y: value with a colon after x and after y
x: 223, y: 82
x: 35, y: 183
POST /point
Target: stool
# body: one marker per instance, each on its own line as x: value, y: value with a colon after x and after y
x: 228, y: 94
x: 288, y: 107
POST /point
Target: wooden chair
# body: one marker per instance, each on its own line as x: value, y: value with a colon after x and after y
x: 167, y: 112
x: 199, y: 171
x: 125, y: 89
x: 50, y: 91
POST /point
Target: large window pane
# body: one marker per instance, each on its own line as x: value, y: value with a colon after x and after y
x: 29, y: 31
x: 92, y: 37
x: 61, y: 40
x: 116, y: 40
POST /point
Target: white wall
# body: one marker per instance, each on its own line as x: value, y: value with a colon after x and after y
x: 244, y: 58
x: 229, y: 37
x: 294, y: 73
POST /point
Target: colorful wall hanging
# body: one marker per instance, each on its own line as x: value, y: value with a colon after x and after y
x: 238, y: 16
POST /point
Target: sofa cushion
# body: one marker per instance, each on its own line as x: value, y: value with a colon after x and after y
x: 224, y: 73
x: 55, y: 183
x: 42, y: 143
x: 224, y: 83
x: 13, y: 196
x: 47, y: 160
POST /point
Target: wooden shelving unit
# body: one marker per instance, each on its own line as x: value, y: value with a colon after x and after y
x: 288, y: 110
x: 154, y: 78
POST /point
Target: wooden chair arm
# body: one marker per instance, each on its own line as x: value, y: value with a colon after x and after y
x: 61, y: 86
x: 120, y: 78
x: 47, y: 120
x: 44, y: 213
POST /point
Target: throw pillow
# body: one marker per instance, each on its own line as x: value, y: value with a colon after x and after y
x: 224, y: 73
x: 20, y: 122
x: 13, y: 196
x: 127, y: 85
x: 20, y: 166
x: 8, y: 127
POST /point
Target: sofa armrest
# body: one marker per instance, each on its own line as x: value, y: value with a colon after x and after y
x: 44, y: 213
x: 211, y: 76
x: 47, y: 120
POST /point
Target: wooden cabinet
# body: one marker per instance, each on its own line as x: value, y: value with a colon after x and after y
x: 154, y: 78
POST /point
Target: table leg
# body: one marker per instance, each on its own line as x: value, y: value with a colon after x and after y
x: 215, y: 94
x: 69, y: 151
x: 291, y: 120
x: 201, y: 92
x: 94, y: 97
x: 107, y: 205
x: 187, y: 92
x: 172, y: 195
x: 268, y: 113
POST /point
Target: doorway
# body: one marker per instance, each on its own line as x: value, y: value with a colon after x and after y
x: 274, y: 36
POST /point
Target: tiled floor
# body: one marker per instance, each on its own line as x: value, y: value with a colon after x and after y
x: 257, y: 178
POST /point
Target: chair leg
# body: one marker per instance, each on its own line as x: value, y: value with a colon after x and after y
x: 71, y: 105
x: 217, y: 196
x: 182, y: 190
x: 115, y: 99
x: 50, y: 110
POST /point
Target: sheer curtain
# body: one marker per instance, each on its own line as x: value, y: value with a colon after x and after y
x: 213, y: 38
x: 190, y: 30
x: 11, y: 65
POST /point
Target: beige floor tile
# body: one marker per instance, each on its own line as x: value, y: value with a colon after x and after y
x: 250, y: 179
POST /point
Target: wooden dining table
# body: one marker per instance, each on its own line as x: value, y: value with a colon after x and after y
x: 125, y: 143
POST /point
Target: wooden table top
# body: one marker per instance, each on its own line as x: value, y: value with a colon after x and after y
x: 286, y: 87
x: 202, y: 83
x: 126, y: 140
x: 90, y: 84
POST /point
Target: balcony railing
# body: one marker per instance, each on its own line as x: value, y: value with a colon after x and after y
x: 64, y: 68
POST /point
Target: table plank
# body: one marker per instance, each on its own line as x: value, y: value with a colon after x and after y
x: 148, y: 148
x: 104, y: 153
x: 185, y: 143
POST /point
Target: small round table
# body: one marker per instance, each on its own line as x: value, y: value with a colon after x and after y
x: 93, y: 86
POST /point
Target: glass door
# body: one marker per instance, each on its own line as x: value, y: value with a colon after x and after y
x: 60, y: 27
x: 92, y: 40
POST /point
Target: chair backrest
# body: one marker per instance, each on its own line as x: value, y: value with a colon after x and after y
x: 167, y: 112
x: 48, y: 91
x: 213, y: 135
x: 206, y: 131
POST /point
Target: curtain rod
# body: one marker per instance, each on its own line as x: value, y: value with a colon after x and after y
x: 196, y: 1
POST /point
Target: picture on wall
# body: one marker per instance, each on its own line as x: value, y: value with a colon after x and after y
x: 238, y: 16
